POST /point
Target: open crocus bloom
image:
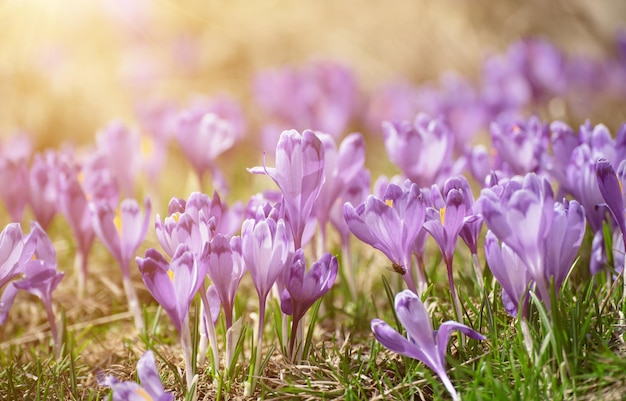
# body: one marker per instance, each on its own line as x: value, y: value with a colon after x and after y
x: 423, y: 343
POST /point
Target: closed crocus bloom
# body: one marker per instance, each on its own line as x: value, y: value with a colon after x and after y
x: 74, y: 206
x: 226, y: 268
x: 13, y: 180
x: 423, y: 344
x: 303, y: 288
x: 529, y: 204
x: 173, y: 285
x: 610, y: 185
x: 299, y: 173
x: 342, y: 167
x: 520, y: 144
x: 151, y: 387
x: 420, y: 149
x: 390, y: 225
x: 267, y: 247
x: 43, y: 188
x: 563, y: 240
x: 510, y: 271
x: 119, y: 146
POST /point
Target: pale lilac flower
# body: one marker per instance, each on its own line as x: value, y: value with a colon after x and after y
x: 394, y: 101
x: 299, y: 173
x: 173, y: 285
x: 445, y: 221
x: 225, y: 270
x: 611, y: 188
x: 267, y: 248
x: 196, y: 221
x: 421, y: 149
x: 120, y: 147
x: 203, y: 135
x: 423, y: 343
x: 321, y: 96
x: 151, y: 387
x: 39, y: 276
x: 520, y: 145
x: 390, y: 225
x: 342, y: 167
x: 14, y: 181
x: 43, y: 193
x: 15, y: 251
x: 510, y: 271
x: 552, y: 231
x: 122, y: 232
x: 303, y: 288
x: 74, y: 206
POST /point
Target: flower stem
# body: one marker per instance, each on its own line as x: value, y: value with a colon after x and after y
x: 185, y: 341
x: 249, y: 390
x: 133, y: 303
x: 211, y: 330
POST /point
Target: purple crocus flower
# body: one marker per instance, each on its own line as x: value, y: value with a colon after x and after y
x: 203, y: 136
x: 43, y: 188
x: 303, y: 288
x: 174, y: 286
x: 13, y: 180
x: 196, y: 221
x: 341, y: 169
x: 122, y: 232
x: 267, y: 248
x: 15, y: 251
x: 299, y: 173
x: 118, y: 145
x: 391, y: 225
x: 423, y: 343
x: 510, y: 271
x: 39, y: 276
x: 445, y: 221
x: 321, y: 95
x: 420, y: 149
x: 74, y: 206
x: 552, y: 231
x: 225, y: 270
x: 610, y: 187
x: 151, y: 387
x: 520, y: 145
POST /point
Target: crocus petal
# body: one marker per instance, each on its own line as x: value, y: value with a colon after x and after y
x: 395, y: 342
x: 611, y: 191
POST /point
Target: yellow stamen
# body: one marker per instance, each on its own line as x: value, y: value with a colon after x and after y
x: 442, y: 214
x: 143, y: 394
x: 621, y: 189
x: 516, y: 129
x: 147, y: 147
x: 171, y: 274
x: 118, y: 221
x: 176, y: 216
x: 389, y: 202
x: 80, y: 177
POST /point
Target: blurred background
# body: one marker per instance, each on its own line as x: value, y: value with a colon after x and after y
x: 67, y: 68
